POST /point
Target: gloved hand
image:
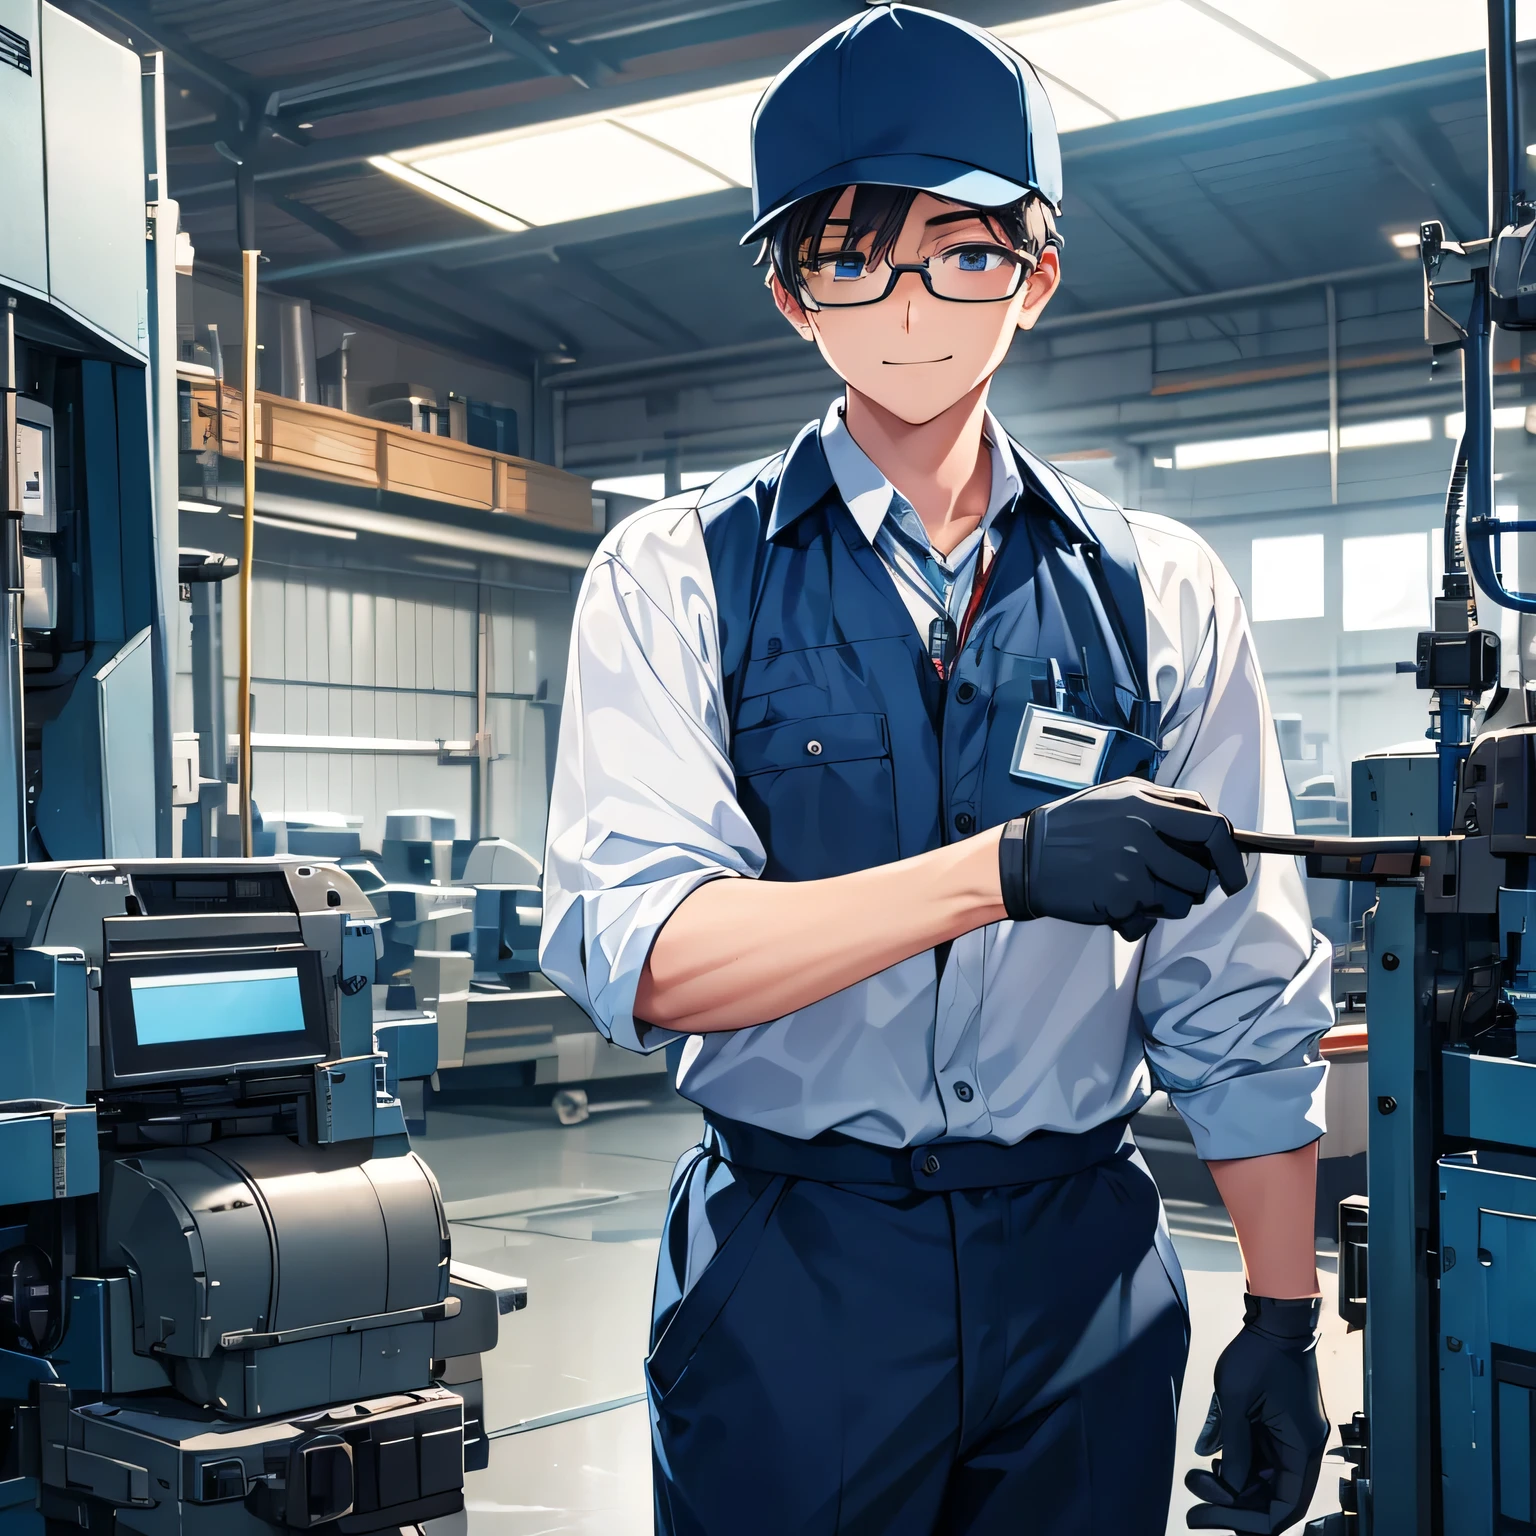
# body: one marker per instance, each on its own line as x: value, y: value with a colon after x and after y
x: 1123, y: 854
x: 1267, y: 1419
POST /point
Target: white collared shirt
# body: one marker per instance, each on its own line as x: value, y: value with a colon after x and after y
x: 876, y: 504
x: 1031, y: 1026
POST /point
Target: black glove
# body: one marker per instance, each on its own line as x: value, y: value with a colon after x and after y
x: 1122, y: 854
x: 1267, y: 1418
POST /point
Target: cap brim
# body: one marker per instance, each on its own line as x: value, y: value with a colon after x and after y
x: 927, y: 173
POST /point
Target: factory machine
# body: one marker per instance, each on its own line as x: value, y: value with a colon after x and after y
x: 1439, y: 1264
x: 227, y: 1302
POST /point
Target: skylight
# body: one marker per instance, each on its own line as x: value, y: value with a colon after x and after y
x: 1100, y: 63
x: 1134, y: 57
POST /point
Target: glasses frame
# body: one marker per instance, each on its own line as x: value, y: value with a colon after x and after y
x: 1028, y: 265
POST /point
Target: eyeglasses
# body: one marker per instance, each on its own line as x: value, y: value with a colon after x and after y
x: 964, y: 274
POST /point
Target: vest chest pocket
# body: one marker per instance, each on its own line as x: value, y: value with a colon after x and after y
x: 821, y: 793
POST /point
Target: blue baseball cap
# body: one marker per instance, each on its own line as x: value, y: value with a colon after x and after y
x: 903, y: 97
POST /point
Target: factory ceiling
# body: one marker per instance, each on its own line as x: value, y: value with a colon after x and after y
x: 338, y: 108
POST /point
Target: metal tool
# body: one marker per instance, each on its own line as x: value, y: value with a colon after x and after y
x: 1345, y: 858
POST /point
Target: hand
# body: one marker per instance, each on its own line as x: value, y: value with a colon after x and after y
x: 1122, y: 854
x: 1267, y: 1418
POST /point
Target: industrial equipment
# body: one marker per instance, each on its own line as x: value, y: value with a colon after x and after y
x: 1439, y: 1265
x: 228, y: 1298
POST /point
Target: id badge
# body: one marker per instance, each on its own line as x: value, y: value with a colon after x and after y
x: 1063, y: 752
x: 1058, y: 749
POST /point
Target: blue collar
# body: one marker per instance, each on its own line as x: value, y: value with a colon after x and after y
x: 805, y: 479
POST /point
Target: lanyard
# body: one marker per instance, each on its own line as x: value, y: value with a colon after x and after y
x: 939, y: 630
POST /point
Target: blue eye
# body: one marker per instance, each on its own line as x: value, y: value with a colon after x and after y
x: 978, y: 258
x: 848, y: 267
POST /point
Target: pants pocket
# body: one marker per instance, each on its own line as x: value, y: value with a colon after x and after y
x: 705, y: 1298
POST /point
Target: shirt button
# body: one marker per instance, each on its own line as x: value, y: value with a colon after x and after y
x: 775, y: 645
x: 964, y: 1092
x: 964, y: 822
x: 930, y: 1165
x: 814, y: 748
x: 966, y: 692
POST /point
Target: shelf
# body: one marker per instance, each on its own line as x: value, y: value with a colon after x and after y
x: 336, y: 445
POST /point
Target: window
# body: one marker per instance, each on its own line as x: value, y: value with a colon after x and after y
x: 1288, y: 577
x: 1386, y: 581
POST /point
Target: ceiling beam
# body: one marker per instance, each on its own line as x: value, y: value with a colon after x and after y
x: 483, y: 311
x: 1421, y: 161
x: 500, y: 19
x: 637, y: 312
x: 1177, y: 270
x: 513, y: 356
x: 135, y: 19
x: 350, y: 149
x: 322, y: 224
x: 471, y: 250
x: 491, y: 306
x: 1348, y: 100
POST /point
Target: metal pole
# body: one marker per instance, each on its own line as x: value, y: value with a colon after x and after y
x: 248, y: 260
x: 482, y: 719
x: 1333, y: 393
x: 1505, y: 156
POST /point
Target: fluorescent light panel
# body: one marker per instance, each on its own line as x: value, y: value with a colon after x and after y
x: 1385, y: 434
x: 1362, y: 35
x: 1286, y: 445
x: 1103, y: 62
x: 1244, y: 450
x: 1504, y: 418
x: 680, y: 146
x: 278, y: 741
x: 1135, y: 57
x: 454, y: 196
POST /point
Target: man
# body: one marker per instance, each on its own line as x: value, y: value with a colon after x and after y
x: 883, y: 782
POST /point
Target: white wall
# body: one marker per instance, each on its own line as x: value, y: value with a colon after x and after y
x: 365, y: 653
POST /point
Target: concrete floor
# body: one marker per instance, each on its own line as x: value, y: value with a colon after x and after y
x: 578, y: 1212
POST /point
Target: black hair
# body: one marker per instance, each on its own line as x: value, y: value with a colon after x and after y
x: 1026, y: 225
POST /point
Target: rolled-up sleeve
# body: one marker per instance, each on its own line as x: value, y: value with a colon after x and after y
x: 643, y: 808
x: 1232, y: 999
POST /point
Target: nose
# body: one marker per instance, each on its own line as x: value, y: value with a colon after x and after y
x: 908, y: 285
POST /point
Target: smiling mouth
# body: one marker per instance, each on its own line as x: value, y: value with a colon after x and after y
x: 916, y: 362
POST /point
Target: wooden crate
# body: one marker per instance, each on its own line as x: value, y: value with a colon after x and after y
x: 438, y: 467
x: 316, y: 440
x: 543, y: 493
x: 313, y: 438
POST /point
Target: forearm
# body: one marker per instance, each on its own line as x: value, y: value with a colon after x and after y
x: 1272, y: 1202
x: 740, y: 952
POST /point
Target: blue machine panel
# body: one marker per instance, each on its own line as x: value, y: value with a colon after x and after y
x: 1489, y: 1098
x: 34, y: 1166
x: 1395, y: 794
x: 126, y: 701
x: 1487, y: 1345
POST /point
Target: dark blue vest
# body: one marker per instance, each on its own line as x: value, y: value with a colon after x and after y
x: 849, y: 749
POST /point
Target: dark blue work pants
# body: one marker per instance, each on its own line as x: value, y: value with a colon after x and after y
x: 877, y: 1361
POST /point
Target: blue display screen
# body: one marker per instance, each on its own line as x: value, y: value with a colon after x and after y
x: 216, y: 1005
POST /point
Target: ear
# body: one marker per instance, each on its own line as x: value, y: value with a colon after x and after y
x: 790, y: 307
x: 1043, y: 282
